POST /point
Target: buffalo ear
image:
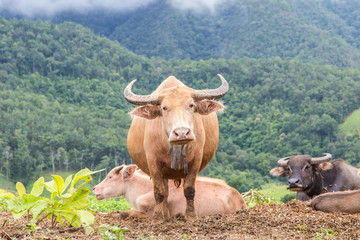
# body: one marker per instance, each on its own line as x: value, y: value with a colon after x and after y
x: 148, y: 111
x: 205, y: 107
x: 118, y: 169
x: 279, y: 172
x: 324, y: 166
x: 129, y: 171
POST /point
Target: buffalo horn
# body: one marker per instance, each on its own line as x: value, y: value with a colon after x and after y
x: 283, y: 161
x: 213, y: 93
x: 327, y: 157
x: 138, y: 99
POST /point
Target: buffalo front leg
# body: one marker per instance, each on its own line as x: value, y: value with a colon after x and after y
x: 302, y: 196
x: 161, y: 192
x: 189, y: 192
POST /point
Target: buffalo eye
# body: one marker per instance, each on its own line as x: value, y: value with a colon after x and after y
x: 164, y: 108
x: 307, y: 167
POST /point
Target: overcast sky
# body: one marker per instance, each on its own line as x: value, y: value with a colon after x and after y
x: 33, y: 8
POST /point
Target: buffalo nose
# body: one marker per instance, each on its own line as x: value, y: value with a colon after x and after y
x: 293, y: 181
x: 181, y: 133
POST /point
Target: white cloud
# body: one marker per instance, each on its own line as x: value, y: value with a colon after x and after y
x: 196, y: 5
x: 31, y: 8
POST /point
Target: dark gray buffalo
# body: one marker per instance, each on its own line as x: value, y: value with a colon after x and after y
x: 310, y: 176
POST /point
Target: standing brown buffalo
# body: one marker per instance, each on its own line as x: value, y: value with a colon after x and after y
x: 177, y: 119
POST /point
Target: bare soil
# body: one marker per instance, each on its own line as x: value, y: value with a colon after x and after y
x: 293, y: 220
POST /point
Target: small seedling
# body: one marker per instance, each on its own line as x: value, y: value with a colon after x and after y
x: 112, y: 232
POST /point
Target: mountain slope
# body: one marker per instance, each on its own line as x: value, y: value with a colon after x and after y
x: 322, y: 32
x: 62, y: 104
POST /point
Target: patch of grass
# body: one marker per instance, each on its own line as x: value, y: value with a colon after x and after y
x: 109, y: 205
x: 7, y: 184
x: 351, y: 125
x: 277, y: 191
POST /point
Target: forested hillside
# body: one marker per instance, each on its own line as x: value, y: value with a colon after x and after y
x: 62, y: 105
x: 324, y: 32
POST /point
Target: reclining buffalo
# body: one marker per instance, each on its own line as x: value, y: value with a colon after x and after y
x: 346, y: 201
x: 213, y: 196
x: 173, y: 135
x: 310, y: 176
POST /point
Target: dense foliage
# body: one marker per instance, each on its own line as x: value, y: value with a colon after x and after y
x: 61, y: 104
x: 325, y: 32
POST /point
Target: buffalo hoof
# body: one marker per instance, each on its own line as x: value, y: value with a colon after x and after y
x: 180, y: 217
x: 191, y: 217
x: 158, y: 218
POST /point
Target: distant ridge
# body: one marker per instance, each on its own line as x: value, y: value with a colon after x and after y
x: 323, y: 32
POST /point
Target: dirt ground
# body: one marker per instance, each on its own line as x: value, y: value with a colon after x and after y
x: 293, y: 220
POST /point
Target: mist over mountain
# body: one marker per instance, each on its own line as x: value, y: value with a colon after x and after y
x: 324, y: 32
x: 49, y: 8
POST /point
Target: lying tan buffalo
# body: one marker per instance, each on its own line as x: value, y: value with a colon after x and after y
x: 213, y: 195
x: 345, y: 201
x: 173, y: 135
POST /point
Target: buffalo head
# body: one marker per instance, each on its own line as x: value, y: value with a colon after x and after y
x: 177, y: 105
x: 301, y: 170
x: 113, y: 185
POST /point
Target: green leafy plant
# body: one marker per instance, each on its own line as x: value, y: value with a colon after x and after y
x: 69, y: 201
x: 112, y: 232
x: 4, y: 196
x: 325, y: 234
x: 30, y: 203
x: 32, y: 228
x: 301, y: 228
x: 254, y: 197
